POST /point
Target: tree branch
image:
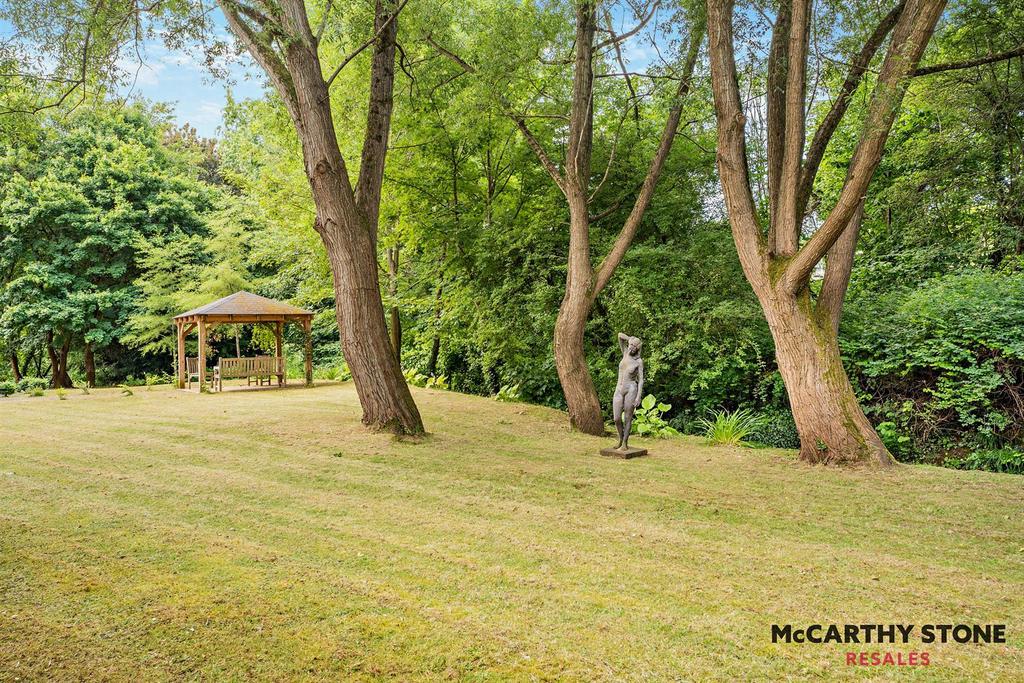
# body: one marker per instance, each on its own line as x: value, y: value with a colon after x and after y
x: 614, y: 40
x: 323, y: 21
x: 643, y: 200
x: 259, y: 47
x: 378, y: 116
x: 968, y: 63
x: 827, y: 128
x: 911, y: 36
x: 732, y: 152
x: 622, y: 64
x: 535, y: 145
x: 377, y: 34
x: 786, y: 222
x: 778, y: 61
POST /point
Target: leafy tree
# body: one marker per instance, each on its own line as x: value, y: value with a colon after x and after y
x: 72, y: 219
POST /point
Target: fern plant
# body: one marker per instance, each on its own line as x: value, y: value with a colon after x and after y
x: 724, y: 428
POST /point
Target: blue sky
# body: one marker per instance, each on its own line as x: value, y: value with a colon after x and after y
x: 179, y: 77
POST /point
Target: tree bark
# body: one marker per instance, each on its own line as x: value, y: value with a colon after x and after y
x: 15, y: 370
x: 396, y: 319
x: 832, y: 427
x: 90, y: 366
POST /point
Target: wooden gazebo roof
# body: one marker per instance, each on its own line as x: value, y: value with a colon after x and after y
x: 244, y: 307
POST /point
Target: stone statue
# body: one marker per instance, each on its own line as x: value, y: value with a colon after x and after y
x: 628, y: 393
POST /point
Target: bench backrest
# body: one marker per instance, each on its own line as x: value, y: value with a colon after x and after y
x: 247, y: 367
x: 192, y: 365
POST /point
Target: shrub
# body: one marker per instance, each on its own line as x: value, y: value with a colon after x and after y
x: 126, y: 390
x: 333, y: 372
x: 27, y: 384
x: 36, y: 391
x: 776, y: 429
x: 648, y: 419
x: 62, y: 393
x: 7, y: 388
x: 940, y: 363
x: 723, y: 428
x: 418, y: 379
x: 509, y: 393
x: 1003, y: 460
x: 159, y: 378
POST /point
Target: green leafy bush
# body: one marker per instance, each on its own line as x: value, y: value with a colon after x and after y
x: 62, y: 393
x: 724, y: 428
x: 648, y: 420
x: 940, y: 365
x: 7, y: 388
x: 28, y: 384
x: 338, y: 373
x: 418, y: 379
x: 36, y: 391
x: 1003, y: 460
x: 777, y: 429
x: 509, y: 393
x: 159, y: 378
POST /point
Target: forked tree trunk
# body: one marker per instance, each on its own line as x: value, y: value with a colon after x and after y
x: 285, y: 45
x: 831, y: 424
x: 60, y: 378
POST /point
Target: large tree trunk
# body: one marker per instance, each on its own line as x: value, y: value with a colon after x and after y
x: 831, y: 424
x: 383, y: 392
x: 15, y: 370
x: 90, y: 366
x: 571, y: 360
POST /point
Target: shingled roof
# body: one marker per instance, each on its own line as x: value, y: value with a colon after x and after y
x: 245, y: 303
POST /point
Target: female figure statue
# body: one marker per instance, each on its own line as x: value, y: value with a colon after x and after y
x: 630, y: 389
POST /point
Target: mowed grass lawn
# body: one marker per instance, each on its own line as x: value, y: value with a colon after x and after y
x: 267, y: 535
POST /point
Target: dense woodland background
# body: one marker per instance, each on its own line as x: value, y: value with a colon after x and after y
x: 113, y: 219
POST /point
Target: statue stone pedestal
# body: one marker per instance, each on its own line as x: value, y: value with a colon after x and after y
x: 626, y: 453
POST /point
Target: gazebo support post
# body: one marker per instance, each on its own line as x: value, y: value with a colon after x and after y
x: 202, y: 354
x: 182, y: 377
x: 307, y: 329
x: 279, y: 352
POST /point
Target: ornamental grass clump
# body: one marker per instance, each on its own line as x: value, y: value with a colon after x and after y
x: 725, y: 428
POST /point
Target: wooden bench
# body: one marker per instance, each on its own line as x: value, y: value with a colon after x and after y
x: 259, y: 368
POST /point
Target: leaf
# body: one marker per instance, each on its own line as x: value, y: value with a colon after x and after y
x: 649, y: 401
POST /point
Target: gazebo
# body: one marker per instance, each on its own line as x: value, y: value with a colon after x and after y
x: 242, y: 308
